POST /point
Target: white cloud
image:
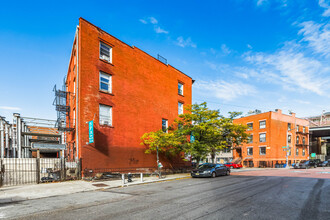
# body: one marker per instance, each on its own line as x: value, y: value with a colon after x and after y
x: 249, y: 46
x: 292, y: 69
x: 317, y: 36
x: 303, y: 102
x: 326, y: 5
x: 143, y: 21
x: 261, y: 2
x: 225, y: 49
x: 158, y: 30
x: 10, y: 108
x: 153, y: 20
x: 180, y: 41
x: 224, y: 90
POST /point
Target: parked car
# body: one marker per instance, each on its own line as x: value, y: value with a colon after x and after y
x: 305, y: 164
x: 318, y: 162
x: 326, y: 163
x: 233, y: 165
x: 210, y: 170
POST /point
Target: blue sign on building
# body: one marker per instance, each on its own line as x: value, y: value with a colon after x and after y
x: 192, y: 138
x: 91, y: 131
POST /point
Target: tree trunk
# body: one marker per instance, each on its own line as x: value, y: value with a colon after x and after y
x: 212, y: 156
x: 197, y: 162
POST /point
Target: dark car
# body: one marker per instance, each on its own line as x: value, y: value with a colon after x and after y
x: 305, y: 164
x: 318, y: 162
x: 210, y: 170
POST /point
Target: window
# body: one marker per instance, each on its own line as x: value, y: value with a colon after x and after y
x: 218, y: 160
x: 250, y: 139
x: 262, y: 137
x: 304, y: 129
x: 303, y: 152
x: 297, y: 140
x: 164, y: 125
x: 226, y: 150
x: 249, y: 151
x: 289, y: 126
x: 105, y: 52
x: 262, y: 150
x: 303, y: 140
x: 262, y: 124
x: 297, y: 128
x: 297, y: 152
x: 180, y: 108
x: 180, y: 88
x: 289, y: 152
x: 289, y: 139
x: 105, y: 82
x: 250, y: 126
x: 105, y: 113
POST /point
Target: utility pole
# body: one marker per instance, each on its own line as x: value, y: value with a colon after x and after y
x: 158, y: 162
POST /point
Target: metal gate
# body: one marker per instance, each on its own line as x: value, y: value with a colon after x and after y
x: 20, y: 171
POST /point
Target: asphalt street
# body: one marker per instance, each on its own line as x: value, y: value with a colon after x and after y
x: 225, y: 197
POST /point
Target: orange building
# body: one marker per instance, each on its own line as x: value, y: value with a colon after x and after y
x: 126, y: 92
x: 270, y: 133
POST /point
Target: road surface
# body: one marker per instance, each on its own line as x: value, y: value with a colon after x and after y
x: 227, y: 197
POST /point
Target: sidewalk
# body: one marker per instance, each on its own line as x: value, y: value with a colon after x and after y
x: 36, y: 191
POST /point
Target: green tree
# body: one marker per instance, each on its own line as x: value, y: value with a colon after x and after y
x: 211, y: 131
x: 166, y: 142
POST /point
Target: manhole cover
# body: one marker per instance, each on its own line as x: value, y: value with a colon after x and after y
x: 100, y: 185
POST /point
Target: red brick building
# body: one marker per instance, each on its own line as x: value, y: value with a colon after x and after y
x: 126, y: 92
x: 269, y: 133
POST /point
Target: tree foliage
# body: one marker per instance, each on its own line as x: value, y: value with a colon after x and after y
x: 211, y: 133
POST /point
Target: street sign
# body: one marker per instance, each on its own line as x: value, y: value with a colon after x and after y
x: 91, y: 132
x: 285, y: 147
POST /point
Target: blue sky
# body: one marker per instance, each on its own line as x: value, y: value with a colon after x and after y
x: 243, y: 54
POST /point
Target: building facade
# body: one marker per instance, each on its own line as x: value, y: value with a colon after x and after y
x: 126, y: 93
x: 224, y: 156
x: 273, y: 136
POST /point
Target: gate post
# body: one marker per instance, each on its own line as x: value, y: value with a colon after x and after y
x: 38, y: 170
x: 1, y: 172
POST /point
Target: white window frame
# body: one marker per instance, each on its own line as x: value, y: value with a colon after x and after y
x: 260, y: 150
x: 180, y: 109
x: 163, y: 119
x: 106, y: 76
x: 251, y: 135
x: 247, y: 124
x: 181, y: 88
x: 265, y: 137
x: 247, y: 151
x: 102, y: 118
x: 260, y: 126
x: 110, y: 52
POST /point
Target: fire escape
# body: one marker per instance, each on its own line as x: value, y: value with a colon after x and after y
x: 62, y: 106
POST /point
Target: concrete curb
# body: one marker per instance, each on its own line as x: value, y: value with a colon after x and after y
x: 15, y: 198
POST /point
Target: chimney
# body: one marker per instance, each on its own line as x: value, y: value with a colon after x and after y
x: 293, y: 114
x: 278, y: 111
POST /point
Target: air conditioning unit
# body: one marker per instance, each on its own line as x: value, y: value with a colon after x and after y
x: 106, y: 123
